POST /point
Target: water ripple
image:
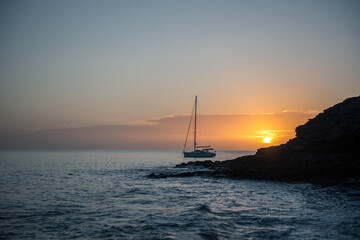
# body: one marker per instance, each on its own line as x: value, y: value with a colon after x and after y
x: 106, y: 195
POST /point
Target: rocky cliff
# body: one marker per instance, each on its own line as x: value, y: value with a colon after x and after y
x: 326, y: 147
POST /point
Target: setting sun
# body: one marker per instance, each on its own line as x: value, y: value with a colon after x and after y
x: 267, y: 140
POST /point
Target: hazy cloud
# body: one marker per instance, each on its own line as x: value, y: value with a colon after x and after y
x: 224, y: 132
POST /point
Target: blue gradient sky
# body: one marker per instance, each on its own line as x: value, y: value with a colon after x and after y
x: 84, y: 63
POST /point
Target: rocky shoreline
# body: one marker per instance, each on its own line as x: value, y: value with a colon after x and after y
x: 327, y: 147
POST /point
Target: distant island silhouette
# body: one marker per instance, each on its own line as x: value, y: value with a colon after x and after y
x: 327, y: 147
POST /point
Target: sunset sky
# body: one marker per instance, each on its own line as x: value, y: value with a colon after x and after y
x: 123, y: 74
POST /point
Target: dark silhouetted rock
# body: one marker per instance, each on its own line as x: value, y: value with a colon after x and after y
x: 326, y: 147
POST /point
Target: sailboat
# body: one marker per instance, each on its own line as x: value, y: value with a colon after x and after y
x: 198, y: 151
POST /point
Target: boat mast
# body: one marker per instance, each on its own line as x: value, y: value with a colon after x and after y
x: 195, y: 123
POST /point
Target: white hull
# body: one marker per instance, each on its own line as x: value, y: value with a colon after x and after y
x: 199, y: 154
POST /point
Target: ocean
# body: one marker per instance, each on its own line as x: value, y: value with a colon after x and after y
x: 108, y: 195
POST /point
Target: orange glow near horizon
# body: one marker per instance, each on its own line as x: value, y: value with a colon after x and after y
x: 249, y: 132
x: 223, y: 132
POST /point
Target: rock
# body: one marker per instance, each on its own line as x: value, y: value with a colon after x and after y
x: 326, y: 147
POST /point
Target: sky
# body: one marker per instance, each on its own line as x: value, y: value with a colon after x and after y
x: 75, y: 66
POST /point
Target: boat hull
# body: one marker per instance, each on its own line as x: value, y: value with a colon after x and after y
x: 199, y: 154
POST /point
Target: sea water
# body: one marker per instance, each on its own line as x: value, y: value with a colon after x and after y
x: 108, y: 195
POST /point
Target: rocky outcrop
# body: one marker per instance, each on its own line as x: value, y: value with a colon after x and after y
x: 326, y: 147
